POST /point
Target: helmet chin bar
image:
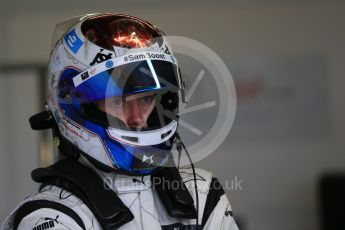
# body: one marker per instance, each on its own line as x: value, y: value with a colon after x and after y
x: 144, y: 138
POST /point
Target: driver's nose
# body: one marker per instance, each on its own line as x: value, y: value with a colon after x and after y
x: 134, y: 115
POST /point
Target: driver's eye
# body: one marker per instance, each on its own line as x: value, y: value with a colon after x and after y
x: 146, y: 99
x: 116, y: 102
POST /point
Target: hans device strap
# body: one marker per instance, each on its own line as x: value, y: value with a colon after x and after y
x: 85, y: 184
x: 177, y: 199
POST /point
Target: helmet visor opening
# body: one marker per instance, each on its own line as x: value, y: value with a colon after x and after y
x: 140, y: 95
x: 141, y: 111
x: 136, y: 112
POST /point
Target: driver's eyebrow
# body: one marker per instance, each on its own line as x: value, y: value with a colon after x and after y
x: 136, y: 96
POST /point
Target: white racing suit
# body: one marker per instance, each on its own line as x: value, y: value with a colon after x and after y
x: 57, y: 209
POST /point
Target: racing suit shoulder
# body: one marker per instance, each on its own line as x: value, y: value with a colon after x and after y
x: 36, y: 217
x: 51, y: 204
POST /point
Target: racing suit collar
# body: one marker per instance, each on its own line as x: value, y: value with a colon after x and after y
x: 120, y: 183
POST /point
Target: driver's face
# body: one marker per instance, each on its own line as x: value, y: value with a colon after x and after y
x: 132, y: 110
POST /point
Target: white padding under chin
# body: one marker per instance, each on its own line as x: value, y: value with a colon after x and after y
x: 144, y: 138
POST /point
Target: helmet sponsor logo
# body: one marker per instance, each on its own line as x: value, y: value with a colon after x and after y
x: 166, y: 50
x: 109, y: 64
x: 101, y: 57
x: 148, y: 159
x: 92, y: 71
x: 73, y: 41
x: 85, y: 75
x: 70, y: 130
